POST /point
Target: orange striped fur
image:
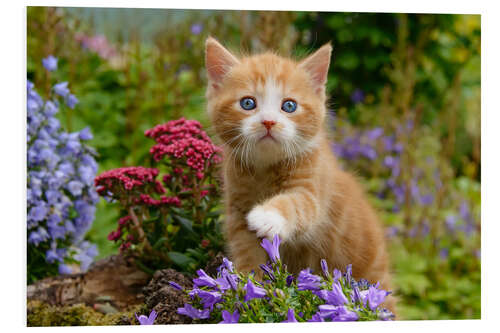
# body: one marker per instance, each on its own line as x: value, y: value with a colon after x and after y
x: 289, y: 184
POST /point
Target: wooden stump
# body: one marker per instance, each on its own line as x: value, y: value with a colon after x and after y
x: 112, y: 280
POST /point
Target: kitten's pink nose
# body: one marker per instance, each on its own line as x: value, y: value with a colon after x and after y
x: 268, y: 123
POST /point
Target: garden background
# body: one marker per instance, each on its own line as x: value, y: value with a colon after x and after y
x: 405, y: 110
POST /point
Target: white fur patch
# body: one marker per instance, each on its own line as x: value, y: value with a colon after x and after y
x: 267, y: 223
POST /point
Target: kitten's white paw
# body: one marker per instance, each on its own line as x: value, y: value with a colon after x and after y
x: 267, y: 223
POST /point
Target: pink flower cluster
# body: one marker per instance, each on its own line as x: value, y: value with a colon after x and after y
x: 164, y: 200
x: 98, y: 44
x: 184, y: 139
x: 128, y: 177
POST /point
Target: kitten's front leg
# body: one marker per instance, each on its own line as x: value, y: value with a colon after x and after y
x: 284, y: 214
x: 244, y: 247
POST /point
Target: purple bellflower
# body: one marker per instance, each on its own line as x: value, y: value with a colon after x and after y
x: 190, y: 311
x: 290, y: 317
x: 229, y: 318
x: 272, y: 249
x: 50, y: 63
x: 253, y: 291
x: 143, y: 320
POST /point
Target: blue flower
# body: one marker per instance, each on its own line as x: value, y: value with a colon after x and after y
x: 272, y: 249
x: 71, y: 101
x: 336, y: 313
x: 374, y: 133
x: 223, y: 283
x: 143, y: 320
x: 357, y: 96
x: 50, y: 109
x: 37, y: 236
x: 50, y: 63
x: 316, y: 318
x: 53, y: 157
x: 290, y: 317
x: 75, y: 187
x: 61, y: 89
x: 426, y: 199
x: 308, y: 281
x: 385, y: 314
x: 375, y: 297
x: 209, y: 298
x: 87, y: 175
x: 252, y: 291
x: 227, y: 264
x: 229, y: 318
x: 337, y: 275
x: 39, y: 212
x: 324, y: 268
x: 348, y: 274
x: 268, y: 270
x: 190, y: 311
x: 51, y: 256
x: 356, y: 295
x: 64, y: 269
x: 175, y: 285
x: 196, y: 28
x: 443, y: 253
x: 233, y: 280
x: 336, y: 295
x: 204, y: 280
x: 85, y: 134
x: 450, y: 222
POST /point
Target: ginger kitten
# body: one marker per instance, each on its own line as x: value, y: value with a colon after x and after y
x: 280, y: 175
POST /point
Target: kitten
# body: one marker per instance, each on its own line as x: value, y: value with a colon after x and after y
x: 280, y: 176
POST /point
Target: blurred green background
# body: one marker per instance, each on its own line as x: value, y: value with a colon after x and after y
x: 134, y: 68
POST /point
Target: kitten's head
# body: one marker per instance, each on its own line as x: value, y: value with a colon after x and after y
x: 266, y: 108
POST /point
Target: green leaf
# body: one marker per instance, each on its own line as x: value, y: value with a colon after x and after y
x: 180, y: 259
x: 160, y: 242
x: 185, y: 223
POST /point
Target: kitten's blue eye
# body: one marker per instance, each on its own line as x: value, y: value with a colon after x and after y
x: 289, y: 106
x: 248, y: 103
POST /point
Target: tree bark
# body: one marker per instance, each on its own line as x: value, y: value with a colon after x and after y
x: 112, y: 280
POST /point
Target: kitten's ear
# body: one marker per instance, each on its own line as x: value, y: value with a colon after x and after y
x: 317, y: 65
x: 218, y: 61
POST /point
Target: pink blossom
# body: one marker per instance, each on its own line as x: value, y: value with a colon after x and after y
x: 98, y: 44
x: 184, y: 139
x: 114, y: 235
x: 128, y: 177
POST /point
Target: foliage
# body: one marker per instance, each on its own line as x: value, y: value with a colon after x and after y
x: 430, y: 61
x: 60, y: 196
x: 433, y: 232
x: 174, y: 221
x: 235, y: 297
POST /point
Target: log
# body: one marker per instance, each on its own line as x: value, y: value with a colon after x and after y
x: 113, y: 280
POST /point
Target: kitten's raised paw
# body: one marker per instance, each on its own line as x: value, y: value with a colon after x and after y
x: 267, y: 223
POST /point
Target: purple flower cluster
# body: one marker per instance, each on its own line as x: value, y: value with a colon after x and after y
x: 374, y: 145
x: 209, y: 291
x: 384, y: 152
x: 61, y: 197
x: 235, y: 297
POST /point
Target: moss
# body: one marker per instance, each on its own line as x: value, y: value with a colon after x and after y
x: 42, y: 314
